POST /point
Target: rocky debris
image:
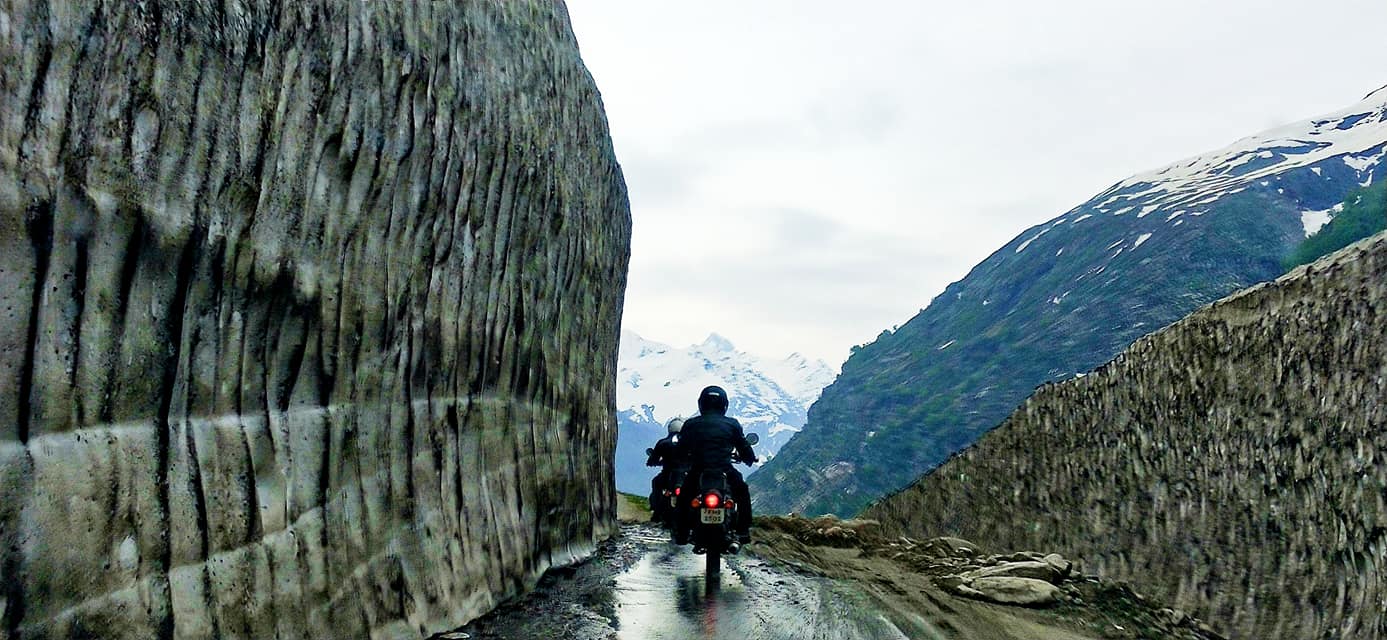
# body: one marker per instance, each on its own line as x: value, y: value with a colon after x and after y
x: 1230, y: 462
x: 827, y: 531
x: 946, y: 547
x: 960, y: 567
x: 310, y: 314
x: 1028, y: 579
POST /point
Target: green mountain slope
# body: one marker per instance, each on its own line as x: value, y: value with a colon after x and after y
x: 1364, y: 214
x: 1064, y: 297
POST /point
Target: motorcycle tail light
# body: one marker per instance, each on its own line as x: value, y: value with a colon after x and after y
x: 696, y: 503
x: 711, y: 500
x: 676, y: 491
x: 728, y: 504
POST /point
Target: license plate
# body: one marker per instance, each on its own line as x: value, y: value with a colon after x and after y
x: 711, y: 516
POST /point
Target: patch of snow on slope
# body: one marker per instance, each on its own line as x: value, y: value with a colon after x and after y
x: 1033, y: 238
x: 1313, y: 221
x: 1085, y: 217
x: 1354, y: 130
x: 1142, y: 238
x: 1364, y: 163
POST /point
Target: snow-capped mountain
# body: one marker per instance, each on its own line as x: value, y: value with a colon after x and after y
x: 1068, y: 294
x: 1353, y: 136
x: 656, y: 382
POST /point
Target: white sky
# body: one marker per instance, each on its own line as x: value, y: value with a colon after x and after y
x: 806, y: 174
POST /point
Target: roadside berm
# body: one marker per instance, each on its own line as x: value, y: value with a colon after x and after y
x: 950, y: 587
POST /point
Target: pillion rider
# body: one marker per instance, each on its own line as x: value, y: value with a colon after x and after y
x: 706, y: 442
x: 665, y: 454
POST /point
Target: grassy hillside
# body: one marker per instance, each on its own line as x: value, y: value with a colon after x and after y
x: 1364, y: 214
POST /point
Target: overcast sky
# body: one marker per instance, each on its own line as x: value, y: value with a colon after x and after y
x: 806, y: 174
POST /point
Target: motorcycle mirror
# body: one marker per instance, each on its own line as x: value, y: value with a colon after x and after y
x: 753, y: 439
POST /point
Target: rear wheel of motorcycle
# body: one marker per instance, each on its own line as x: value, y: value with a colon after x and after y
x: 714, y: 564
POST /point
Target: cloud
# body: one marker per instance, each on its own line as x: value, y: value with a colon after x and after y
x: 808, y: 173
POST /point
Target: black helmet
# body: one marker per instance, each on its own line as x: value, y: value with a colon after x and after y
x: 712, y: 400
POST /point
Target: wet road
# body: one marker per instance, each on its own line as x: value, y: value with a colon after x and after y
x: 643, y: 588
x: 665, y: 597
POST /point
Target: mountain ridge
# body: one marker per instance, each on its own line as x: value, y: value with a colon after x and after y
x: 1064, y: 296
x: 656, y: 382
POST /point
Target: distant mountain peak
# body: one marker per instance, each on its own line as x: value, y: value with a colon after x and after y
x: 715, y: 342
x: 655, y: 382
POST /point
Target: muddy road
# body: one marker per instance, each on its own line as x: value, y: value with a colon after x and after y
x: 639, y: 586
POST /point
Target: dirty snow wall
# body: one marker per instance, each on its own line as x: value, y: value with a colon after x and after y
x: 1234, y: 463
x: 310, y: 314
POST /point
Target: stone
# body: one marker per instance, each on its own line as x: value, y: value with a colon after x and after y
x: 949, y: 547
x: 310, y: 315
x: 1027, y: 592
x: 1060, y: 564
x: 1030, y: 569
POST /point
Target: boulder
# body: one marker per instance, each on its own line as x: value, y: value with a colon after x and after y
x: 947, y: 547
x: 1030, y: 569
x: 1026, y: 592
x: 1063, y: 566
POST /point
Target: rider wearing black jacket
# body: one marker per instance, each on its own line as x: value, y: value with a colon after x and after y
x: 664, y: 454
x: 706, y: 442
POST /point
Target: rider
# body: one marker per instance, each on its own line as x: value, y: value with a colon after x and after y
x: 706, y: 442
x: 665, y: 453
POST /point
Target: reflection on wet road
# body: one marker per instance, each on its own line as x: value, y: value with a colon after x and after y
x: 641, y: 587
x: 664, y: 597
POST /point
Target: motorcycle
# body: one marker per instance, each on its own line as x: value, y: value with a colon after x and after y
x: 716, y: 514
x: 664, y: 502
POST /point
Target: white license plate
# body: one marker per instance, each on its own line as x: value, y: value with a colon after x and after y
x: 711, y: 516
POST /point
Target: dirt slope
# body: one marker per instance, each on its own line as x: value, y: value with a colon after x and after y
x: 916, y: 584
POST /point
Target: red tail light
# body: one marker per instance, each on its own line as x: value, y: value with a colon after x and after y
x: 676, y: 491
x: 696, y: 503
x: 728, y: 504
x: 711, y: 500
